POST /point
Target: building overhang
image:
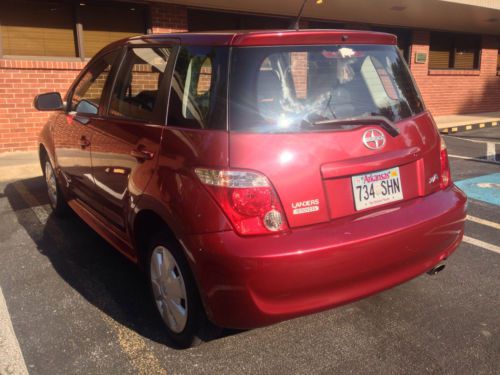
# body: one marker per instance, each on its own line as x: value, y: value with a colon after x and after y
x: 468, y: 16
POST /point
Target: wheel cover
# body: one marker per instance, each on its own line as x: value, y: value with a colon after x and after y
x: 169, y: 289
x: 50, y: 179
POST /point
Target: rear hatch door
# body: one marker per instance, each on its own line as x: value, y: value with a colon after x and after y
x: 337, y: 129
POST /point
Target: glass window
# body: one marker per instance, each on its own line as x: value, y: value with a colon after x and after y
x: 37, y: 29
x: 87, y: 94
x: 451, y: 51
x: 197, y: 94
x: 48, y: 27
x: 136, y: 90
x: 104, y: 23
x: 291, y: 89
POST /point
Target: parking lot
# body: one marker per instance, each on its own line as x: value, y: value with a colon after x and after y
x: 78, y: 306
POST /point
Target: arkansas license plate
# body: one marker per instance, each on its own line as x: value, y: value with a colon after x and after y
x: 374, y: 189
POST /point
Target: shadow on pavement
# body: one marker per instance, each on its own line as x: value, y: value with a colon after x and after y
x: 91, y: 266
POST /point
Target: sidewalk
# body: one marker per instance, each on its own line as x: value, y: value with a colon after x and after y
x: 454, y: 123
x: 16, y: 165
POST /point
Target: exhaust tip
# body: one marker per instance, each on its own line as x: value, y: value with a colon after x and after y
x: 436, y: 269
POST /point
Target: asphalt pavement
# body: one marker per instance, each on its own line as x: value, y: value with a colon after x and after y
x: 78, y: 306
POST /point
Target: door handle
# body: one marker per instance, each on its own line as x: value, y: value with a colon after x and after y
x: 84, y: 142
x: 142, y: 154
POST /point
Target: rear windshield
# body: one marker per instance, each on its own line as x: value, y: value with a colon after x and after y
x: 286, y: 89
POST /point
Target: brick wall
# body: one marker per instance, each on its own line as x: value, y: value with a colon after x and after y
x: 458, y: 91
x: 168, y: 18
x: 22, y: 80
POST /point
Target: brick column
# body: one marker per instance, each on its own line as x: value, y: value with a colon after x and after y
x: 168, y: 18
x: 420, y: 44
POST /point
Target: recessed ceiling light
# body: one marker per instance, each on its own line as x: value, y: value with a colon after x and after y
x: 398, y: 8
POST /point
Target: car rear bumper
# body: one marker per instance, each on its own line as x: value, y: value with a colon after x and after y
x: 255, y: 281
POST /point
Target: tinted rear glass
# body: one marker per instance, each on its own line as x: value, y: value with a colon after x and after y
x: 274, y: 89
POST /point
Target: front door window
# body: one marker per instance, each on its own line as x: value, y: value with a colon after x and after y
x: 88, y: 93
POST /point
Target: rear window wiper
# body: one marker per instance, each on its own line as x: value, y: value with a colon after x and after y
x: 381, y: 121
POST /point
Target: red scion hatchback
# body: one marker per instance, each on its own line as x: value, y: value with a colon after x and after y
x: 255, y: 176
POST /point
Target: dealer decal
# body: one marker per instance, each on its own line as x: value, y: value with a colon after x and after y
x: 305, y: 207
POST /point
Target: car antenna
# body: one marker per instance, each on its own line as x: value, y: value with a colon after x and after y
x: 296, y: 25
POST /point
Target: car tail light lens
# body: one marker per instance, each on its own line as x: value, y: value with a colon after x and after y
x: 445, y: 179
x: 247, y: 198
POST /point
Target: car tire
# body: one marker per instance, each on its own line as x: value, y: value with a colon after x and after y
x: 56, y: 198
x: 175, y: 294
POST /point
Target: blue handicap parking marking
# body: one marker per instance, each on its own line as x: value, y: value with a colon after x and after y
x: 484, y: 188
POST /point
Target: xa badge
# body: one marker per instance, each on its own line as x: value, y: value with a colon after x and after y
x: 374, y: 139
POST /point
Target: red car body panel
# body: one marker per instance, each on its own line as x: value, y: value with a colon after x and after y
x: 262, y: 280
x: 188, y: 206
x: 327, y: 257
x: 322, y: 163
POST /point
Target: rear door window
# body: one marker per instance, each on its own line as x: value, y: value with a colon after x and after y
x: 137, y: 87
x: 276, y: 89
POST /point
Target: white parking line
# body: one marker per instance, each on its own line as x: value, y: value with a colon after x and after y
x: 482, y: 244
x: 469, y: 140
x: 483, y: 221
x: 11, y: 357
x: 474, y: 159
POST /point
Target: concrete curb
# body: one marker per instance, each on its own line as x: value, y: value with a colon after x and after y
x: 11, y: 357
x: 19, y: 165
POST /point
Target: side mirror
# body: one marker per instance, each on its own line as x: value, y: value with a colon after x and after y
x: 50, y: 101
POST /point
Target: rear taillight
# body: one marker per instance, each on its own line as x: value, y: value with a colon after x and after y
x: 247, y: 198
x: 445, y: 179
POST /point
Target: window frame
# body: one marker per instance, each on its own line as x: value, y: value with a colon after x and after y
x: 161, y: 104
x: 452, y: 49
